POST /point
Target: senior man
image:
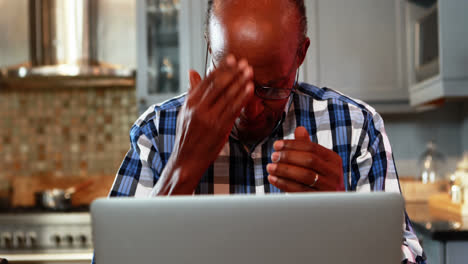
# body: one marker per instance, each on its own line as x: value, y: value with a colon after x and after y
x: 250, y: 127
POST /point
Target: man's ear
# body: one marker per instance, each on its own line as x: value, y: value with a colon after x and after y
x: 194, y: 79
x: 303, y: 51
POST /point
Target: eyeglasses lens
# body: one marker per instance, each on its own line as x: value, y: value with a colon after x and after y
x: 272, y: 93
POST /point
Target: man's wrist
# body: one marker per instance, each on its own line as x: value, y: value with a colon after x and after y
x: 178, y: 178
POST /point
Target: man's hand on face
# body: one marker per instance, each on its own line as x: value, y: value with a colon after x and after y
x: 300, y: 165
x: 204, y: 124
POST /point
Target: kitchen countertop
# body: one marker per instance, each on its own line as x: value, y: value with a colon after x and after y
x: 67, y: 82
x: 443, y: 230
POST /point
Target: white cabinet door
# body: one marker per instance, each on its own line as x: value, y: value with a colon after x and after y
x: 456, y: 252
x: 452, y: 80
x: 193, y: 44
x: 310, y: 68
x: 357, y: 48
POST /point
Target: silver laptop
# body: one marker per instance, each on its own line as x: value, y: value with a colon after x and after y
x: 271, y: 229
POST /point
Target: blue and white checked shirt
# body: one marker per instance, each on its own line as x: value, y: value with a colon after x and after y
x: 349, y: 127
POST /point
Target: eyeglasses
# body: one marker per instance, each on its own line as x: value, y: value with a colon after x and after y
x: 267, y: 92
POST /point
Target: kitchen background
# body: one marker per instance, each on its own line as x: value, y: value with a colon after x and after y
x: 84, y: 132
x: 56, y: 134
x: 60, y: 135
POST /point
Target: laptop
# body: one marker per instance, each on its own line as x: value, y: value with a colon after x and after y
x: 269, y: 229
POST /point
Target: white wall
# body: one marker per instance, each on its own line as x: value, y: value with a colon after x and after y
x: 13, y: 32
x: 116, y: 32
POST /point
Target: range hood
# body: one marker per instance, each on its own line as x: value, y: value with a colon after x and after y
x: 63, y: 42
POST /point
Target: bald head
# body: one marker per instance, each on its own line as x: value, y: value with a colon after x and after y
x: 299, y: 4
x: 255, y: 29
x: 270, y: 35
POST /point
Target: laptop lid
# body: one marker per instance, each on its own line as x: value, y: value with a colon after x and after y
x: 273, y: 229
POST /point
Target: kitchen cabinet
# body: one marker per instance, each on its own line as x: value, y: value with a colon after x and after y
x: 451, y: 81
x: 170, y: 40
x: 358, y: 48
x: 443, y: 242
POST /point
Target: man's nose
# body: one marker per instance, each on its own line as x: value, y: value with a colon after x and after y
x: 254, y: 108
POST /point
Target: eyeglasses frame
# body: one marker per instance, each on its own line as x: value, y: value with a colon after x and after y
x: 292, y: 89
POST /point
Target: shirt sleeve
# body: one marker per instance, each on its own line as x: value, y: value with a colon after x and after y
x: 374, y: 168
x: 139, y: 171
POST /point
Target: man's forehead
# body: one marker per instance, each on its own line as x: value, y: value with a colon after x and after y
x: 276, y: 12
x: 268, y: 5
x: 260, y: 30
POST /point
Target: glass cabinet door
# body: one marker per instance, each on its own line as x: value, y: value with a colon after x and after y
x: 163, y: 46
x: 170, y: 42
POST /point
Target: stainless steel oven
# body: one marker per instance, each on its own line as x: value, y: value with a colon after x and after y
x: 427, y: 45
x: 46, y: 237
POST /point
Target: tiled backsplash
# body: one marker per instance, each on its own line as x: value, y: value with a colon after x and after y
x: 64, y: 132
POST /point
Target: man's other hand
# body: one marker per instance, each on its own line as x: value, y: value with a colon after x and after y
x: 300, y: 165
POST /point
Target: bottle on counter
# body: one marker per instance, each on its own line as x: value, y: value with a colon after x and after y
x: 459, y: 182
x: 432, y: 164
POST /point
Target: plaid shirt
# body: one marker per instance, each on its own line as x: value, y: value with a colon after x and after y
x: 347, y: 126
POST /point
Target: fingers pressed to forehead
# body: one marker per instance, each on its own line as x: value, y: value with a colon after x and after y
x: 230, y: 106
x: 238, y: 84
x: 225, y: 78
x: 243, y: 96
x: 220, y: 85
x: 198, y: 92
x: 230, y: 61
x: 229, y: 64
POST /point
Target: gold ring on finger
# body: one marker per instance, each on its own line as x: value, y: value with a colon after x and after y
x: 315, y: 181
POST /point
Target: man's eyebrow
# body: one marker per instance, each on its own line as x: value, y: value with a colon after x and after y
x: 280, y: 79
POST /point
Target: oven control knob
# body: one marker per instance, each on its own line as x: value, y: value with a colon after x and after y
x: 56, y: 238
x: 7, y: 240
x: 32, y: 239
x: 83, y: 240
x: 69, y: 239
x: 20, y: 239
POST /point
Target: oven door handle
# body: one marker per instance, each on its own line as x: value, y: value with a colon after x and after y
x: 51, y: 257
